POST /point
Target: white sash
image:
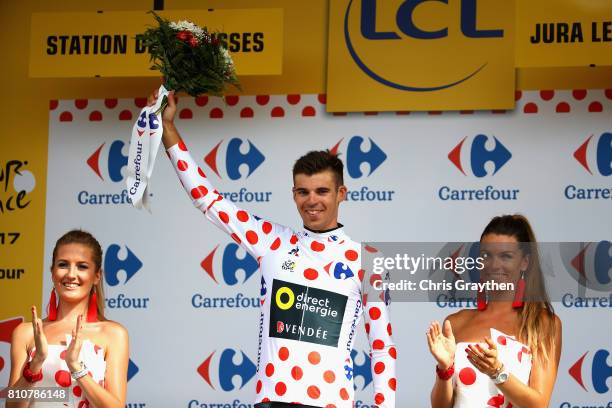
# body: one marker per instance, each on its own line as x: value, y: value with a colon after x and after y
x: 144, y: 144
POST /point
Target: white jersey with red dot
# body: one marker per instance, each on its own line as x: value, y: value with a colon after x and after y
x: 476, y: 389
x: 311, y: 301
x: 56, y: 374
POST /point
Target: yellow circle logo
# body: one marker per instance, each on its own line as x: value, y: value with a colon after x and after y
x: 279, y: 302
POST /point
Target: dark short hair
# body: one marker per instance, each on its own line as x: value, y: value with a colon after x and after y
x: 318, y: 161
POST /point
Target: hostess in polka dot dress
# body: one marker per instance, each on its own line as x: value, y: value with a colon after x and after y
x: 57, y: 375
x: 474, y: 389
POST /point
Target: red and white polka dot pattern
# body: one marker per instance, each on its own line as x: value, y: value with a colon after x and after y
x: 56, y: 373
x: 475, y: 389
x: 291, y: 370
x: 278, y: 107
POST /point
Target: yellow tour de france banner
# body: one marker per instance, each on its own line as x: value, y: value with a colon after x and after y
x: 107, y: 44
x: 420, y: 55
x: 563, y: 33
x: 22, y: 209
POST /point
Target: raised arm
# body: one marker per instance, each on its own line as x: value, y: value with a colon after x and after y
x: 256, y: 235
x: 170, y: 136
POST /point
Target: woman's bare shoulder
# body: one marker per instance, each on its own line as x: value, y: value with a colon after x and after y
x: 460, y: 317
x: 23, y: 333
x: 114, y: 330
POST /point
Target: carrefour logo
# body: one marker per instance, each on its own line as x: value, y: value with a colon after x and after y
x: 111, y: 163
x: 237, y: 160
x: 356, y: 155
x: 598, y: 152
x: 595, y: 157
x: 225, y: 266
x: 234, y: 158
x: 132, y: 369
x: 595, y: 370
x: 476, y: 156
x: 219, y: 371
x: 590, y: 265
x: 121, y: 261
x: 113, y: 264
x: 360, y: 157
x: 451, y: 296
x: 404, y: 28
x: 595, y: 265
x: 362, y: 370
x: 230, y: 265
x: 107, y: 162
x: 482, y: 157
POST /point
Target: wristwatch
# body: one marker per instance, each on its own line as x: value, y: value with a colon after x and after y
x: 501, y: 376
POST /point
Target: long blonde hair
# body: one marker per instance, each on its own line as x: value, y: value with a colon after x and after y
x: 88, y: 240
x: 537, y: 323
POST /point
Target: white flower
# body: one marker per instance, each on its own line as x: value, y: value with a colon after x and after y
x: 185, y: 25
x: 227, y: 57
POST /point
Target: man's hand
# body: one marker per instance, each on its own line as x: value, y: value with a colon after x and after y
x: 170, y: 135
x: 170, y: 110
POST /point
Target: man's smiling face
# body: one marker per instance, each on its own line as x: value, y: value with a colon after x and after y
x: 317, y: 198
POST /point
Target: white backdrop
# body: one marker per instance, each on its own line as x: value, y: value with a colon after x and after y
x: 162, y: 275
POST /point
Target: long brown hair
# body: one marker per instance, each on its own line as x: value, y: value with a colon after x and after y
x: 535, y: 331
x: 88, y: 240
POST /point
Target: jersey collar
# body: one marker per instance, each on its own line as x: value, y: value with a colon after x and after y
x: 333, y: 235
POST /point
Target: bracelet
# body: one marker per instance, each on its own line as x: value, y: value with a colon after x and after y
x: 445, y: 374
x: 81, y: 373
x: 30, y: 376
x: 497, y: 371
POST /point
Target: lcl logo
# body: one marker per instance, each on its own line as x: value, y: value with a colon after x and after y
x: 404, y: 18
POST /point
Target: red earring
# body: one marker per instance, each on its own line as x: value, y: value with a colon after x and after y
x: 92, y: 309
x: 519, y: 293
x: 52, y: 315
x: 481, y: 298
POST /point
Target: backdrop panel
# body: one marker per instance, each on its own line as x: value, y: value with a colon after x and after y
x: 189, y: 296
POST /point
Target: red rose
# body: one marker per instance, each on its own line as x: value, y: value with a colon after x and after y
x: 184, y: 35
x: 193, y: 42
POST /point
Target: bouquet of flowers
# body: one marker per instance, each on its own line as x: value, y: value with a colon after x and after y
x: 190, y: 58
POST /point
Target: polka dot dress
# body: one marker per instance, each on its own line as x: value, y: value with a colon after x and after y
x: 312, y: 298
x: 56, y: 373
x: 474, y: 389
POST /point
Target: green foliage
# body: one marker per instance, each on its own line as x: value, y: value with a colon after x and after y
x: 200, y: 68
